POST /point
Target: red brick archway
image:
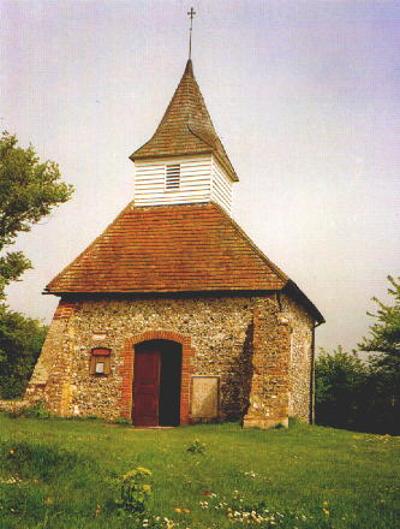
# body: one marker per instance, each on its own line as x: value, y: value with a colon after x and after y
x: 128, y: 362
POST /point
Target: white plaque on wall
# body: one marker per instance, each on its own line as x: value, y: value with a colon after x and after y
x: 205, y: 397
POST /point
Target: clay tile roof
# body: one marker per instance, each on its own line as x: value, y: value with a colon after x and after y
x: 186, y: 127
x: 183, y: 248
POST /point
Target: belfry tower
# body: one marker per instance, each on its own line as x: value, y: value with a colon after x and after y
x: 184, y: 162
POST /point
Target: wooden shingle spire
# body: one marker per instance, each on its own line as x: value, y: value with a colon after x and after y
x: 186, y: 127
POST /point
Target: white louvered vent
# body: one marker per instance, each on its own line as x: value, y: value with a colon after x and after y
x: 172, y: 177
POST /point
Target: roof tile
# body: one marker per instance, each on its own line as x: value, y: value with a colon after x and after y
x: 195, y: 247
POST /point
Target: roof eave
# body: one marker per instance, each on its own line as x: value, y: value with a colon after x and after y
x: 210, y: 291
x: 294, y: 291
x: 229, y: 170
x: 143, y: 157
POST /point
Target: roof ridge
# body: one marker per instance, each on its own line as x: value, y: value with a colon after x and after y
x: 261, y: 254
x: 290, y: 285
x: 88, y: 248
x: 189, y: 126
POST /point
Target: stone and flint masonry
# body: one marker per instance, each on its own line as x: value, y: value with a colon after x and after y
x: 173, y: 315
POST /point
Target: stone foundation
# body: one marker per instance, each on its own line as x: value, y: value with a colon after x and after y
x: 13, y: 406
x: 258, y: 347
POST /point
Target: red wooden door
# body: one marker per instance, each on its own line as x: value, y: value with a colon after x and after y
x: 147, y: 386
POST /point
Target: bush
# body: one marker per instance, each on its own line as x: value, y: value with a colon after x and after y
x: 354, y: 394
x: 196, y: 447
x: 134, y: 490
x: 123, y: 422
x: 36, y: 411
x: 339, y: 380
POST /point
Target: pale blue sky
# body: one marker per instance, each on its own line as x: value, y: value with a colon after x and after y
x: 304, y: 94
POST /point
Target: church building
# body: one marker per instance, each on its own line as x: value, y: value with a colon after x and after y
x: 173, y: 315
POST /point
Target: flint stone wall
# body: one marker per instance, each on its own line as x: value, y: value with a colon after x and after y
x: 301, y: 360
x: 223, y: 333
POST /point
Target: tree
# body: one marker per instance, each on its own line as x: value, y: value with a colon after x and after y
x: 385, y: 332
x: 21, y: 340
x: 384, y: 342
x: 364, y: 395
x: 29, y: 190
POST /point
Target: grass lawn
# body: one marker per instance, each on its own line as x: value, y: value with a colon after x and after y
x: 60, y: 474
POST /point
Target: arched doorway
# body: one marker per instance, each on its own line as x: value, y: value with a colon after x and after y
x: 157, y: 383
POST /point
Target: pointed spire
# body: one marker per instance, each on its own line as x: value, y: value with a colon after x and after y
x: 186, y: 127
x: 189, y: 68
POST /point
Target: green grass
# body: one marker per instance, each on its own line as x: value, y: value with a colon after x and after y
x: 60, y: 474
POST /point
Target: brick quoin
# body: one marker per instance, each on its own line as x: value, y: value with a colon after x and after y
x: 127, y: 370
x: 65, y: 310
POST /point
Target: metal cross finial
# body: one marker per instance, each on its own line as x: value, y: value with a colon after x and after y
x: 191, y: 13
